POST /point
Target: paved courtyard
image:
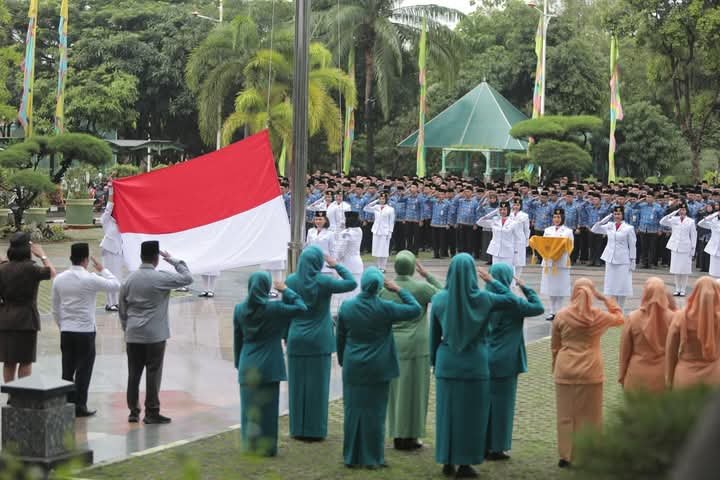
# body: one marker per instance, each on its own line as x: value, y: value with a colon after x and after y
x: 200, y: 390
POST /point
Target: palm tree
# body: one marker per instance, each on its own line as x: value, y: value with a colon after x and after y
x: 265, y: 102
x: 380, y: 30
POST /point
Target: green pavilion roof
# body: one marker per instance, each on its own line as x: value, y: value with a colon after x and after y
x: 480, y: 120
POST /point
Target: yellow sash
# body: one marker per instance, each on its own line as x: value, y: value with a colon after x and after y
x: 550, y: 248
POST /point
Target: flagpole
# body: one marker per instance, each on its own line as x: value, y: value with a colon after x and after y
x: 300, y: 131
x: 62, y: 68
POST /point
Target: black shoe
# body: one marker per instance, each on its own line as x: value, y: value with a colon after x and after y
x: 466, y: 471
x: 133, y: 418
x: 494, y: 456
x: 182, y: 289
x: 156, y: 419
x: 399, y: 443
x: 550, y: 317
x: 203, y: 294
x: 448, y: 470
x: 82, y: 412
x: 210, y: 295
x: 111, y: 308
x: 676, y: 294
x: 414, y: 444
x: 563, y: 463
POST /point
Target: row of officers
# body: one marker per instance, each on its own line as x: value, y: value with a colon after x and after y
x: 510, y: 232
x: 390, y: 335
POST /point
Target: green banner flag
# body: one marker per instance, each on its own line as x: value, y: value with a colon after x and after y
x: 422, y: 64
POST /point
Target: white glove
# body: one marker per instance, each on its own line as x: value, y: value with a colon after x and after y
x: 632, y: 265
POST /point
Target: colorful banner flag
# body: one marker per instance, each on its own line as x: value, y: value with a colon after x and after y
x: 422, y: 64
x: 282, y: 160
x: 616, y: 110
x: 539, y: 70
x: 233, y: 211
x: 62, y: 68
x: 349, y: 120
x: 28, y: 68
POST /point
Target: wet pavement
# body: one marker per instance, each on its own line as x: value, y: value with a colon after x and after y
x: 199, y: 388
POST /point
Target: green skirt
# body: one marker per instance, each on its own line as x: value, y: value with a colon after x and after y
x: 502, y: 413
x: 309, y: 393
x: 365, y: 408
x: 408, y: 403
x: 259, y: 418
x: 461, y: 419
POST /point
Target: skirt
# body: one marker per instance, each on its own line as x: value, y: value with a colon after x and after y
x: 309, y: 393
x: 461, y: 420
x: 520, y: 259
x: 557, y: 284
x: 381, y: 246
x: 365, y: 408
x: 714, y: 266
x: 18, y: 346
x: 502, y: 413
x: 618, y: 280
x: 577, y: 406
x: 408, y: 404
x: 680, y: 263
x: 259, y: 418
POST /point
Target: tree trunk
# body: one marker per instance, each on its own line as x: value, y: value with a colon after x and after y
x: 370, y: 150
x: 696, y: 148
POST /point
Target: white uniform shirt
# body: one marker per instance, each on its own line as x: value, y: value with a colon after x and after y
x: 112, y: 241
x: 384, y: 218
x: 559, y: 231
x: 73, y: 295
x: 323, y: 239
x: 712, y: 223
x: 503, y: 238
x: 522, y: 235
x: 348, y: 250
x: 620, y: 249
x: 683, y: 238
x: 336, y: 215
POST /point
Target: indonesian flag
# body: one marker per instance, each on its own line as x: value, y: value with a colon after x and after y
x: 219, y: 211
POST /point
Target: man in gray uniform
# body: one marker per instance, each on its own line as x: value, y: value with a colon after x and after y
x: 143, y: 312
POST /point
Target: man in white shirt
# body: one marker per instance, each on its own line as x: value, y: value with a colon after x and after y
x: 74, y: 295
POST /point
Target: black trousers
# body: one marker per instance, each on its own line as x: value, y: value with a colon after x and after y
x: 78, y: 359
x: 648, y: 248
x: 148, y: 357
x: 597, y: 245
x: 439, y: 242
x: 366, y: 244
x: 576, y: 247
x: 583, y: 244
x: 451, y: 238
x: 663, y: 252
x: 413, y: 241
x: 465, y: 239
x: 399, y: 238
x: 485, y: 239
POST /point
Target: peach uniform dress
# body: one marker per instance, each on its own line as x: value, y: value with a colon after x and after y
x: 578, y: 364
x: 691, y: 352
x: 642, y: 346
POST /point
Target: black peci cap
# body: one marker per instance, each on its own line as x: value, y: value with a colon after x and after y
x: 150, y: 248
x: 79, y: 251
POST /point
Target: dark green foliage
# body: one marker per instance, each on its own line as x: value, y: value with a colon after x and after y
x: 537, y: 127
x: 642, y: 438
x: 561, y: 159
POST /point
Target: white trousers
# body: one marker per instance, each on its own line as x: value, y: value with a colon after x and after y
x: 114, y: 263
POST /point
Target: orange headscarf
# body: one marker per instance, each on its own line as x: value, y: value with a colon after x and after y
x: 656, y: 310
x: 702, y: 314
x: 581, y: 313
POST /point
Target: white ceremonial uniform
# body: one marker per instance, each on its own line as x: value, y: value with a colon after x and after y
x: 522, y: 235
x: 111, y: 248
x: 681, y: 243
x: 619, y: 256
x: 502, y: 246
x: 712, y: 223
x: 323, y: 239
x: 556, y: 281
x: 382, y: 228
x: 73, y: 297
x: 349, y: 256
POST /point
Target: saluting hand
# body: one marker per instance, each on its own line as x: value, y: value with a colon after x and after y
x: 519, y: 282
x: 420, y: 269
x: 280, y: 286
x: 482, y: 273
x: 391, y: 286
x: 96, y: 265
x: 331, y: 262
x: 165, y: 254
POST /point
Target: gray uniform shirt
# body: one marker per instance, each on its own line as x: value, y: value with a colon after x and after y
x: 144, y: 301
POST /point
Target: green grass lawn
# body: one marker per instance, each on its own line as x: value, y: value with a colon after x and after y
x: 534, y: 454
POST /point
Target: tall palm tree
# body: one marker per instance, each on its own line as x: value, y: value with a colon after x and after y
x: 265, y: 102
x: 380, y: 30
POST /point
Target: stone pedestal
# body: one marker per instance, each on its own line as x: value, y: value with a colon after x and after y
x: 38, y: 425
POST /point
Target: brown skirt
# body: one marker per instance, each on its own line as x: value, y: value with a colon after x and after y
x: 18, y: 346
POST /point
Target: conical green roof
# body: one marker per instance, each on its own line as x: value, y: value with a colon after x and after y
x: 481, y: 120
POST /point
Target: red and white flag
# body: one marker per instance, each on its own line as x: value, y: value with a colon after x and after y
x: 219, y: 211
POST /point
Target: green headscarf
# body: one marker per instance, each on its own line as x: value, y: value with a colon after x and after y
x: 462, y: 292
x: 309, y: 267
x: 372, y: 282
x: 258, y: 290
x: 405, y: 263
x: 503, y: 273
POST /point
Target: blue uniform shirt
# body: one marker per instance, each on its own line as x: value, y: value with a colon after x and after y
x: 356, y: 202
x: 571, y: 213
x: 398, y: 203
x: 649, y: 216
x: 440, y: 212
x: 466, y: 211
x: 542, y: 214
x: 413, y: 207
x: 427, y: 208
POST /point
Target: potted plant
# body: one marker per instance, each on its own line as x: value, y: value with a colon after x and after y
x: 78, y: 203
x: 37, y: 213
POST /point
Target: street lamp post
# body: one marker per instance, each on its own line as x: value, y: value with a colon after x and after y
x: 546, y: 21
x: 300, y: 130
x: 218, y: 135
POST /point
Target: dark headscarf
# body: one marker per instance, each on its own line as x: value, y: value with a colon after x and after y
x: 503, y: 273
x: 309, y: 266
x: 462, y: 292
x: 372, y: 282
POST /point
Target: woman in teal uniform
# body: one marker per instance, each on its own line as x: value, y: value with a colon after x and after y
x: 459, y: 320
x: 311, y: 343
x: 409, y: 393
x: 507, y: 360
x: 366, y: 351
x: 259, y: 326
